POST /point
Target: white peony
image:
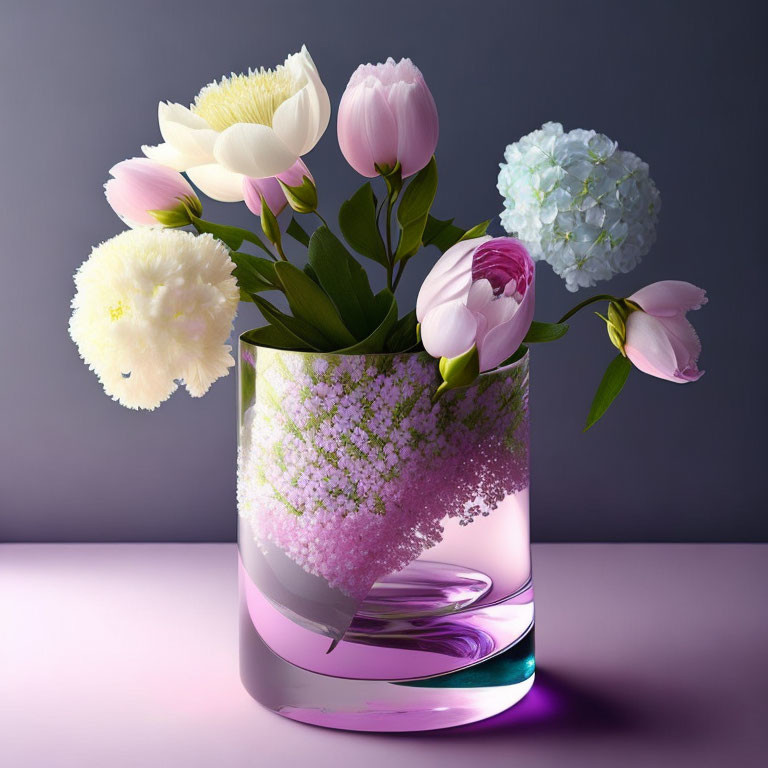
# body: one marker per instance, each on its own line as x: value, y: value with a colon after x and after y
x: 154, y: 308
x: 578, y: 203
x: 251, y: 125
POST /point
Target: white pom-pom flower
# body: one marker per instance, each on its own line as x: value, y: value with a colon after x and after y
x: 578, y: 203
x: 154, y: 309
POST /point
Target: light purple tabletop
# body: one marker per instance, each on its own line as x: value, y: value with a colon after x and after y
x: 126, y: 655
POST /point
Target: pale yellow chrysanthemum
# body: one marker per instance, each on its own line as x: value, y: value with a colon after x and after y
x: 153, y: 309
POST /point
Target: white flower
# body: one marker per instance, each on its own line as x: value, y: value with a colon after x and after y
x: 253, y: 125
x: 578, y: 203
x: 153, y: 309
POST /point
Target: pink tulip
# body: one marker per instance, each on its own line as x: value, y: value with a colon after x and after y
x: 387, y: 114
x: 480, y: 292
x: 140, y: 186
x: 271, y: 190
x: 659, y: 339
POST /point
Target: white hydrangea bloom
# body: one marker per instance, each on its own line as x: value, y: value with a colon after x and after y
x: 578, y: 203
x: 154, y: 308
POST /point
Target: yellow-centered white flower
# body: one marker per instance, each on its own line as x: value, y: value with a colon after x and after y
x: 251, y: 125
x: 154, y: 308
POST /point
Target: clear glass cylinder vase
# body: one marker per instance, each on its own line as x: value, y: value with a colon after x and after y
x: 385, y: 573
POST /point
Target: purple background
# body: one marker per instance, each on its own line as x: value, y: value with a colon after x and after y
x: 682, y: 85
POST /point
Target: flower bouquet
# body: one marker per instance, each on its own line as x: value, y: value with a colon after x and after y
x: 385, y: 574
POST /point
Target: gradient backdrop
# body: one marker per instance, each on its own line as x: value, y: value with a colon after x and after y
x: 681, y: 84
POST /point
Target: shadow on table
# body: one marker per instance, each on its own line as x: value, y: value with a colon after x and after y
x: 555, y: 705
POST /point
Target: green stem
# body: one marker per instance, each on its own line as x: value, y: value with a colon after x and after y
x: 399, y: 274
x: 390, y: 261
x: 319, y: 216
x: 586, y: 303
x: 279, y: 247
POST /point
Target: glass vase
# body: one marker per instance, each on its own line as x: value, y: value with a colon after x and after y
x: 385, y: 573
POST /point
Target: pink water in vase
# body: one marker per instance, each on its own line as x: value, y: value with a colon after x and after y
x: 384, y: 545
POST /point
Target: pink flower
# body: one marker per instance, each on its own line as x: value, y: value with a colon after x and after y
x: 659, y: 339
x: 270, y: 188
x: 387, y: 114
x: 144, y: 193
x: 480, y: 292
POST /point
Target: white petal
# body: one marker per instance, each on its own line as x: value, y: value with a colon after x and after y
x: 186, y: 132
x: 253, y: 150
x: 448, y: 330
x: 314, y: 100
x: 217, y: 182
x: 167, y: 155
x: 295, y: 123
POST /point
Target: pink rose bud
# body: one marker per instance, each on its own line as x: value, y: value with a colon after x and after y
x: 144, y: 193
x: 387, y: 115
x: 659, y: 339
x: 270, y: 189
x: 480, y: 292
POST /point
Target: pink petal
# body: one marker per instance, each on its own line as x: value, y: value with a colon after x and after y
x: 450, y: 278
x: 366, y: 128
x: 663, y: 347
x: 503, y: 340
x: 669, y: 297
x: 448, y: 330
x: 271, y: 190
x: 417, y: 124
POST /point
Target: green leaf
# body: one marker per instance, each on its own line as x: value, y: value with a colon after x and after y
x: 414, y: 208
x: 310, y: 303
x: 477, y: 231
x: 403, y: 336
x: 612, y: 383
x: 254, y: 274
x: 519, y: 354
x: 357, y: 220
x: 301, y: 333
x: 441, y: 233
x: 272, y: 336
x: 376, y: 341
x: 541, y: 332
x: 345, y: 282
x: 297, y: 232
x: 232, y: 237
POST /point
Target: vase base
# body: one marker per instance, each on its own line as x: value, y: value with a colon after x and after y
x: 443, y: 701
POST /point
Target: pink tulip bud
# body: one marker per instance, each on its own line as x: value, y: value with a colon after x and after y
x: 659, y: 339
x: 480, y: 292
x: 144, y: 193
x: 387, y: 115
x: 270, y: 189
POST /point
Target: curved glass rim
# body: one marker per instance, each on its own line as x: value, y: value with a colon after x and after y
x: 243, y: 342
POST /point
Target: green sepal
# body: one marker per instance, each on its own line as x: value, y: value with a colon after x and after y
x: 413, y: 210
x: 297, y: 232
x: 393, y: 178
x: 357, y: 221
x: 311, y: 304
x: 376, y: 341
x: 611, y: 384
x: 539, y: 333
x: 232, y: 237
x: 269, y: 224
x: 458, y: 371
x: 303, y: 199
x: 479, y: 230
